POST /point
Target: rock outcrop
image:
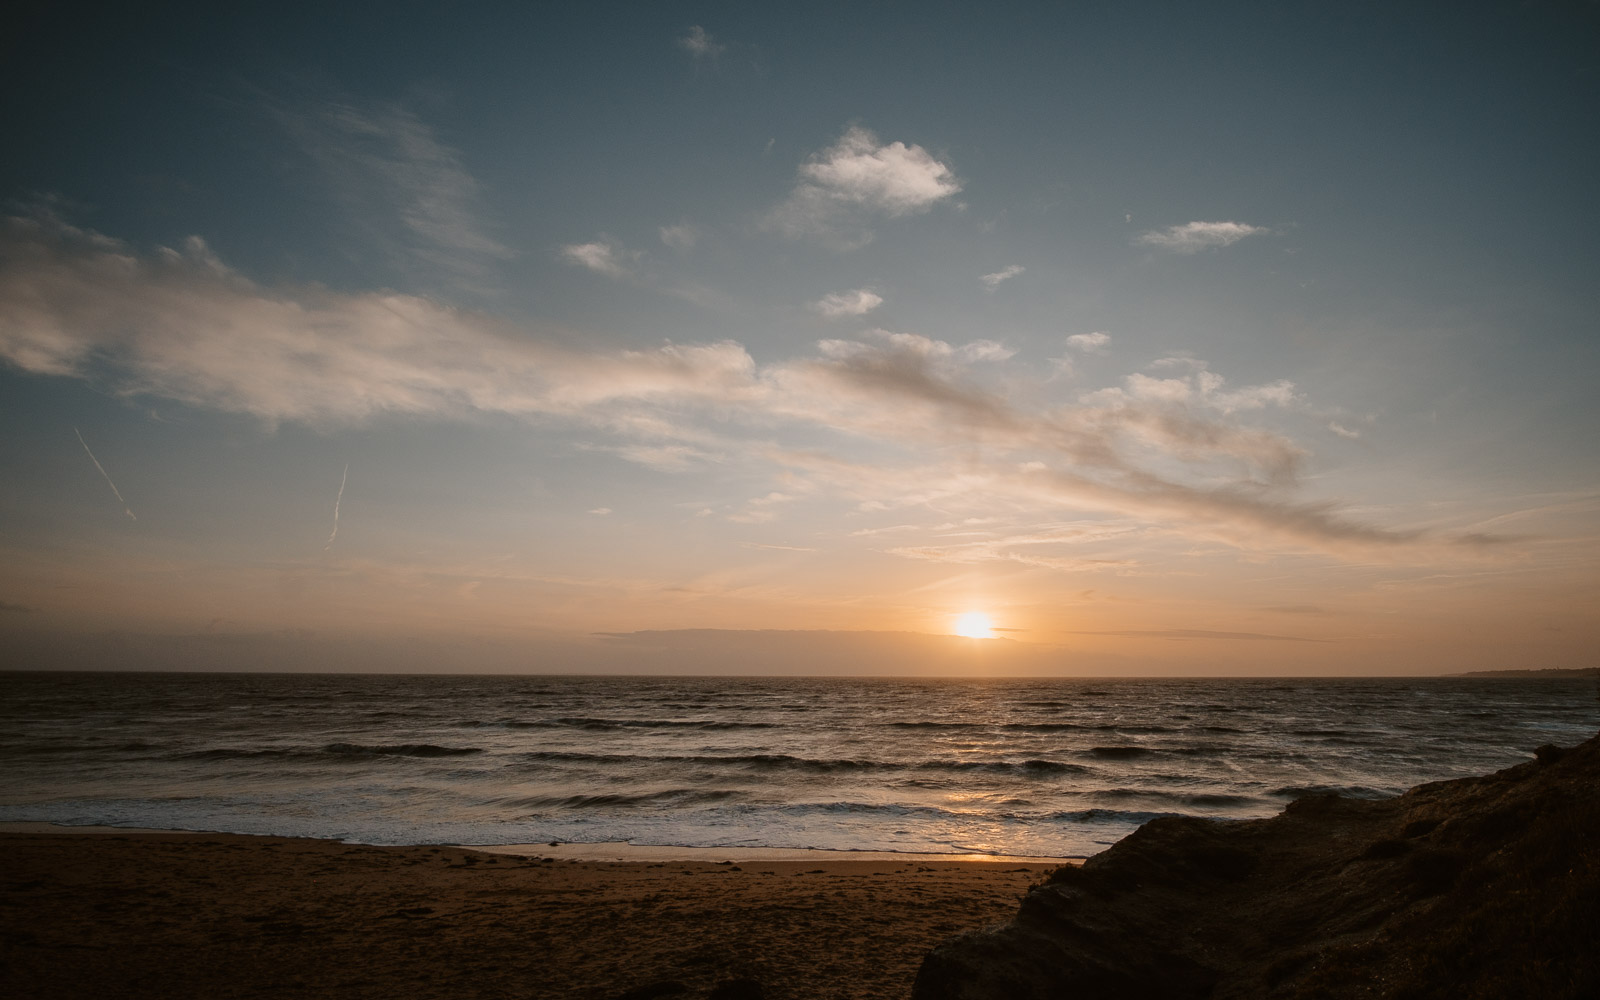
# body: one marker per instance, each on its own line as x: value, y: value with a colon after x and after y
x: 1478, y: 887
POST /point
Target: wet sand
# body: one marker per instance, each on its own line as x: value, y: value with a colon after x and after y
x: 163, y: 914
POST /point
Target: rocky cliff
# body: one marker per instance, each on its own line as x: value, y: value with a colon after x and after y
x: 1478, y: 887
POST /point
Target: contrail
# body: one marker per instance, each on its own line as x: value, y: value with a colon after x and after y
x: 103, y: 472
x: 336, y: 500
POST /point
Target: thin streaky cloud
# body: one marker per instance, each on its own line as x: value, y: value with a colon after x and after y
x: 993, y: 281
x: 1193, y: 237
x: 1185, y: 451
x: 1197, y: 633
x: 839, y: 305
x: 337, y: 500
x: 104, y: 473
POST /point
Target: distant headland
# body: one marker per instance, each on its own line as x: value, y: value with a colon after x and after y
x: 1548, y: 672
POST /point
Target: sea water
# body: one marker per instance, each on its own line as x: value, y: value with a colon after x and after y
x: 1031, y: 767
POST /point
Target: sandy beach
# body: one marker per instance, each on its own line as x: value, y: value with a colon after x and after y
x: 216, y: 915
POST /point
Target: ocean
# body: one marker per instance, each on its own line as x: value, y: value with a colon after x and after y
x: 1054, y: 768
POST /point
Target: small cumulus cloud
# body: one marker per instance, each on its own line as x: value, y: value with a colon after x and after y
x: 1089, y: 343
x: 601, y: 256
x: 838, y: 305
x: 993, y: 281
x: 1343, y: 431
x: 1192, y: 237
x: 600, y: 511
x: 855, y: 180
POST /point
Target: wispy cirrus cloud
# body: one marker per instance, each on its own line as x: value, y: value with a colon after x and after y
x: 700, y: 45
x: 681, y: 237
x: 1192, y: 237
x: 407, y: 191
x: 1046, y: 546
x: 951, y: 426
x: 1184, y: 634
x: 839, y: 305
x: 858, y: 179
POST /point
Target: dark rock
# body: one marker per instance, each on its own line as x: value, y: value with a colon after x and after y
x: 1477, y: 888
x: 738, y: 989
x: 653, y: 991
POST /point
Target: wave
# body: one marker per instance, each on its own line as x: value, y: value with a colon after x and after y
x: 1199, y: 800
x: 399, y: 750
x: 788, y: 762
x: 1107, y: 816
x: 934, y: 725
x: 1033, y: 767
x: 594, y: 724
x: 1041, y: 727
x: 1121, y: 753
x: 1346, y: 791
x: 615, y: 800
x: 333, y: 750
x: 67, y: 749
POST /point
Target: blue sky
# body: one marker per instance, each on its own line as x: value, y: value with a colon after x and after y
x: 1238, y: 339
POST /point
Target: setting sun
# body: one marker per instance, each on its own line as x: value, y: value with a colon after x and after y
x: 974, y: 625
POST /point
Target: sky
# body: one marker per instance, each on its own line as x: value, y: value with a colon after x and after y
x: 729, y: 338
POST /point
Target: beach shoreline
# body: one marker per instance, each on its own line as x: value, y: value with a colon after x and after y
x: 170, y: 913
x: 611, y: 851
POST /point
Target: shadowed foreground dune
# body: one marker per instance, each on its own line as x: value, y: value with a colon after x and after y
x: 1479, y: 887
x: 160, y: 916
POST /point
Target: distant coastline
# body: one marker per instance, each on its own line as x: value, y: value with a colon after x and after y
x: 1547, y: 672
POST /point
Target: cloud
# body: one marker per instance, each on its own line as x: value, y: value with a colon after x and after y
x: 893, y: 421
x: 1027, y: 548
x: 404, y: 189
x: 601, y: 256
x: 1089, y: 343
x: 681, y: 237
x: 992, y: 281
x: 1196, y: 633
x: 7, y: 606
x: 701, y: 45
x: 178, y: 325
x: 1192, y: 237
x: 1343, y: 431
x: 600, y: 511
x: 853, y: 303
x: 859, y: 178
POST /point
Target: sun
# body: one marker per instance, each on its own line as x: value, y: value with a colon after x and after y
x: 974, y: 625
